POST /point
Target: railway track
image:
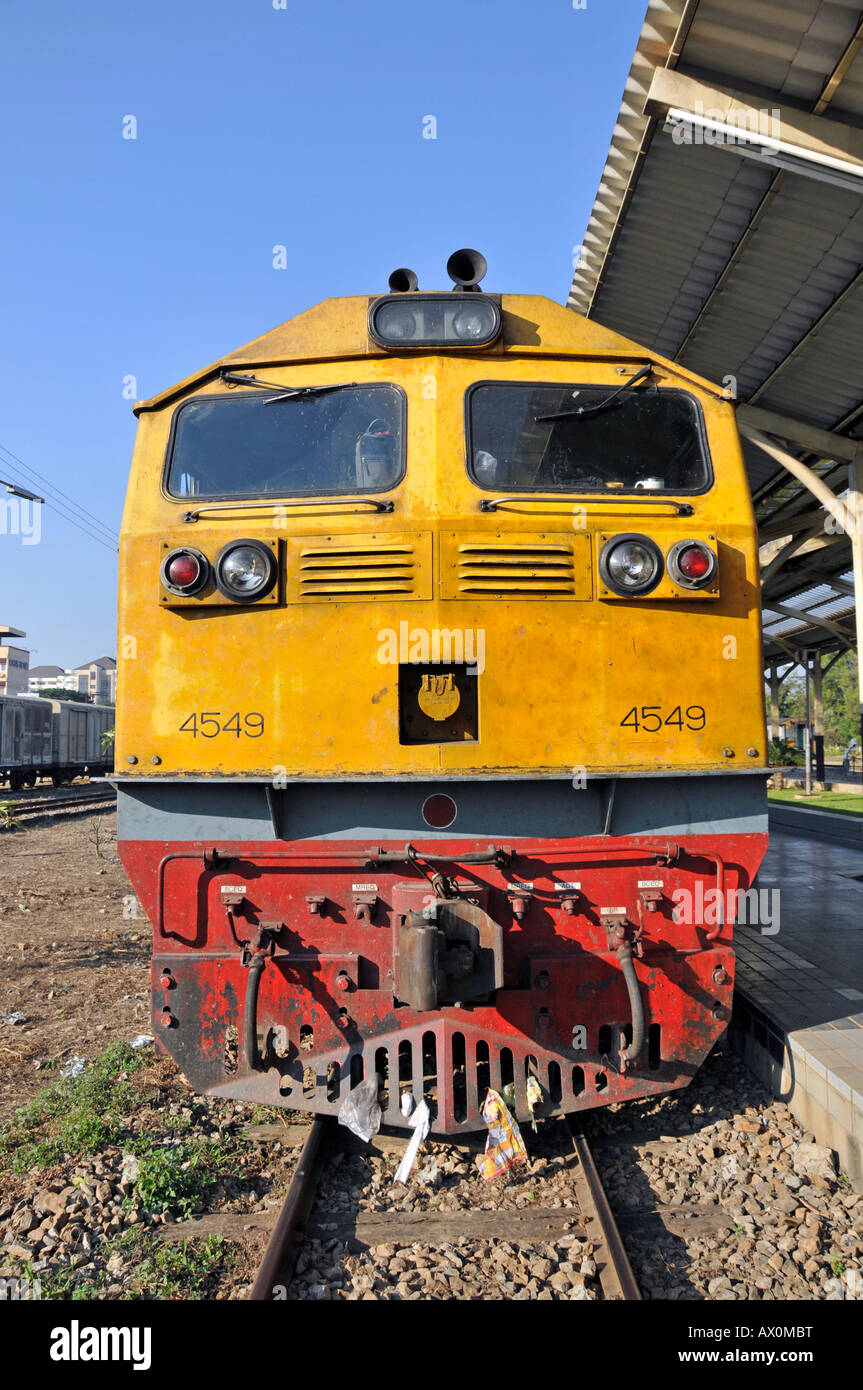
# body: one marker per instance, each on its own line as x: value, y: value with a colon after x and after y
x: 592, y: 1216
x: 62, y: 803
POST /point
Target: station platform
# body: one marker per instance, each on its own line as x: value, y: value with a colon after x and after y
x: 828, y: 825
x: 798, y: 1008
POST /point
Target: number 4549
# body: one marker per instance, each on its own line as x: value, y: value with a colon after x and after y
x: 210, y: 723
x: 649, y: 718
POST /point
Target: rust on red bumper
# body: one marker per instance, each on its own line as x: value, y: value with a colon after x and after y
x: 319, y: 927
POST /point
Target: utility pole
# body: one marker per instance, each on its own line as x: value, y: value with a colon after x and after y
x: 807, y: 737
x: 818, y: 699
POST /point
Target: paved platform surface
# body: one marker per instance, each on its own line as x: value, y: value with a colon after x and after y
x: 811, y: 820
x: 799, y: 992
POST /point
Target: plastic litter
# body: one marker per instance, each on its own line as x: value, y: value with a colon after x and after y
x: 360, y: 1111
x: 534, y: 1096
x: 420, y: 1122
x: 130, y: 1171
x: 430, y: 1175
x: 73, y: 1067
x: 407, y: 1104
x: 16, y: 1017
x: 142, y: 1040
x: 504, y: 1145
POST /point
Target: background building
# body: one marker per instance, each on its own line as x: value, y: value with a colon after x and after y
x: 97, y: 679
x: 14, y: 663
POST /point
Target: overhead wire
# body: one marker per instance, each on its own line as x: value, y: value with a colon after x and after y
x: 85, y: 521
x: 52, y: 487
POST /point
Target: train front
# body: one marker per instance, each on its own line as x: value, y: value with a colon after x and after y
x: 440, y: 717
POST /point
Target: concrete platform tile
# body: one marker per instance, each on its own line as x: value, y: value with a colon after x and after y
x: 837, y: 1083
x: 816, y: 1066
x: 853, y: 1078
x: 816, y: 1087
x: 841, y: 1111
x: 849, y: 1044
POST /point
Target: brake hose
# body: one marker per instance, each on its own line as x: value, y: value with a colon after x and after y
x: 624, y: 955
x: 250, y: 1016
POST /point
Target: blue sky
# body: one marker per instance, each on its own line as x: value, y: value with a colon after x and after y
x: 299, y: 126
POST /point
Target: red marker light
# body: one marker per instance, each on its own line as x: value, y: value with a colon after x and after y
x: 694, y: 563
x: 183, y: 571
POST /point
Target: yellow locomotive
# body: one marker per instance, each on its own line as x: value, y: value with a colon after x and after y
x: 440, y: 690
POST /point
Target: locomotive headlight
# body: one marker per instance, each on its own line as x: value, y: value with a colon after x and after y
x: 184, y: 572
x: 396, y: 323
x: 692, y: 564
x: 455, y: 320
x: 475, y: 323
x: 245, y: 571
x: 631, y: 564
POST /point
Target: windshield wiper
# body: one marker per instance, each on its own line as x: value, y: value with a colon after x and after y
x: 586, y: 411
x: 237, y: 379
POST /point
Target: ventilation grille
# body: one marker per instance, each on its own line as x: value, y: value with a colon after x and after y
x: 510, y: 568
x: 547, y: 565
x: 338, y: 568
x: 352, y: 570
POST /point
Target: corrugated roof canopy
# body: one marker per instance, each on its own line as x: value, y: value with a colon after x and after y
x: 727, y: 234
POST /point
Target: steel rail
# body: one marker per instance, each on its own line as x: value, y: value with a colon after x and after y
x: 615, y: 1272
x: 280, y: 1255
x: 55, y: 805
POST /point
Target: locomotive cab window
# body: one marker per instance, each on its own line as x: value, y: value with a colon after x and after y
x: 566, y: 438
x: 345, y: 439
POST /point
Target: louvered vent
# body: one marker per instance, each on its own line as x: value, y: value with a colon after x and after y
x: 343, y: 571
x: 504, y: 567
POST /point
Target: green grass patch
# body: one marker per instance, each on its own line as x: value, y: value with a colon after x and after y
x: 165, y: 1270
x: 272, y: 1114
x: 173, y: 1177
x: 76, y: 1114
x: 162, y: 1271
x: 85, y: 1114
x: 61, y: 1284
x: 180, y: 1271
x: 843, y: 803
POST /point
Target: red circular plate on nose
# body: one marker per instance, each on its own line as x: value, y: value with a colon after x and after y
x: 439, y: 811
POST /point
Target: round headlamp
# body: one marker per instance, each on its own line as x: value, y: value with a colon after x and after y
x: 473, y: 323
x: 245, y: 571
x: 184, y: 572
x: 396, y: 323
x: 631, y: 564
